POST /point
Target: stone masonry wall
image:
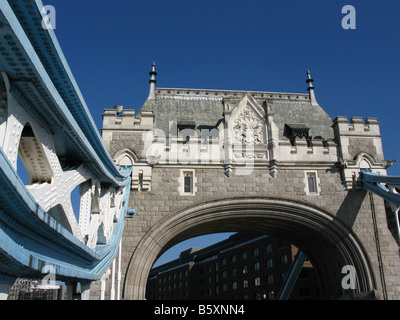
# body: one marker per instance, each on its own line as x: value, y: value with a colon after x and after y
x: 352, y: 207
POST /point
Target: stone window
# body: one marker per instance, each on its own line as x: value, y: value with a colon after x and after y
x: 188, y: 183
x: 293, y: 131
x: 312, y: 183
x: 186, y: 130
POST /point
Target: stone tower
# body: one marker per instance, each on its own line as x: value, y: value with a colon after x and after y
x: 208, y: 161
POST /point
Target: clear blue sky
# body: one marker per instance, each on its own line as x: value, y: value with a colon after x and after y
x: 244, y: 45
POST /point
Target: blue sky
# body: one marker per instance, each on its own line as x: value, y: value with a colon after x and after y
x: 243, y: 45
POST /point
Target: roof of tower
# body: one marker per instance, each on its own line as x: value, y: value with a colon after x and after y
x: 205, y: 108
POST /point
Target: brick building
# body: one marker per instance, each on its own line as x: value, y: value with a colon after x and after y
x: 242, y: 267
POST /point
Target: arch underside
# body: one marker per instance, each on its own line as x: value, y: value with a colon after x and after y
x: 326, y: 241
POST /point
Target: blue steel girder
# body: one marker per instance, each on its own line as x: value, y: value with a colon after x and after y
x: 41, y: 80
x: 383, y: 186
x: 37, y: 76
x: 30, y: 238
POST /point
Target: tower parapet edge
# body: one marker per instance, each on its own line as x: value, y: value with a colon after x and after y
x: 127, y: 120
x: 359, y: 147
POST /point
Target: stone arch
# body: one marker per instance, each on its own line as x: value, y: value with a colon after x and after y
x: 125, y: 157
x: 364, y: 160
x: 327, y: 242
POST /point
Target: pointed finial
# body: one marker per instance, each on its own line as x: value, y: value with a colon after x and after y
x: 152, y: 81
x: 311, y: 88
x: 309, y: 80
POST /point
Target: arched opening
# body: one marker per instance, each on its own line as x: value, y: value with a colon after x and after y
x: 125, y: 157
x: 31, y: 154
x: 325, y: 240
x: 230, y: 266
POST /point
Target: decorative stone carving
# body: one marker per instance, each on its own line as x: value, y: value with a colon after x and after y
x: 248, y: 128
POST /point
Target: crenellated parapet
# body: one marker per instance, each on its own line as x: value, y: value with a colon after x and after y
x: 120, y: 119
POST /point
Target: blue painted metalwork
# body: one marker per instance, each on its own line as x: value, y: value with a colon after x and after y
x: 41, y: 81
x: 46, y: 45
x: 31, y: 239
x: 291, y: 276
x: 44, y: 83
x: 373, y: 182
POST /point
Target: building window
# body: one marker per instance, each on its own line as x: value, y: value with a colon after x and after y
x: 188, y: 183
x: 270, y: 279
x: 257, y: 266
x: 234, y: 272
x: 255, y: 252
x: 269, y: 248
x: 244, y: 255
x: 284, y: 259
x: 234, y: 286
x: 245, y: 283
x: 244, y: 269
x: 257, y: 281
x: 269, y: 263
x: 233, y: 259
x: 312, y: 183
x: 186, y: 131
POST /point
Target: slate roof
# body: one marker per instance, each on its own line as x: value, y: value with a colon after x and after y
x: 205, y: 109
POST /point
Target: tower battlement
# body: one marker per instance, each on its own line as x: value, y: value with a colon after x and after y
x: 118, y: 118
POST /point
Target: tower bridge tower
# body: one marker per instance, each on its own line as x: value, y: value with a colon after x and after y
x: 206, y: 161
